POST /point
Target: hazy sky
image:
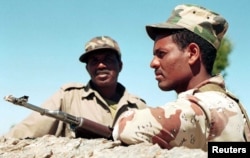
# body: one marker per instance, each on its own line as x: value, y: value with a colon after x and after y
x: 41, y: 41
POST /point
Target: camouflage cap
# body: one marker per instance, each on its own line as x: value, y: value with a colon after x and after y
x: 203, y: 22
x: 100, y: 43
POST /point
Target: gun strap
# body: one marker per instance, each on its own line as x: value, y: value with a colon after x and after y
x: 215, y: 87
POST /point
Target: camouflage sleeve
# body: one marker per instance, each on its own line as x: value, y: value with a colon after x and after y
x: 175, y: 124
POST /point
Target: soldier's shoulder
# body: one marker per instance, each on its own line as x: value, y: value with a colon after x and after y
x: 136, y: 98
x: 72, y: 85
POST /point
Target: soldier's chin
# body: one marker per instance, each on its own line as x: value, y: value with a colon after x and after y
x: 163, y: 87
x: 103, y: 82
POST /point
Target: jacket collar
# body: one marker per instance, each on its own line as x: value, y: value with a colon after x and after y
x: 218, y: 80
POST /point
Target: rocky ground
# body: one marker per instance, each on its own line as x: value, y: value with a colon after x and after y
x: 54, y: 147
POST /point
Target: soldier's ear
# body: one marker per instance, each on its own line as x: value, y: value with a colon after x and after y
x: 120, y: 65
x: 193, y: 53
x: 86, y: 67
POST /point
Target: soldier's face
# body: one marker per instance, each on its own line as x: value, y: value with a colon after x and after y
x: 171, y: 66
x: 104, y: 68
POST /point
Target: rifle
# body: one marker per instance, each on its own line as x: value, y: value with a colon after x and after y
x: 82, y: 127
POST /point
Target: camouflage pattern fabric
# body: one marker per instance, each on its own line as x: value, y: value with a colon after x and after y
x: 205, y: 23
x: 100, y: 43
x: 192, y: 120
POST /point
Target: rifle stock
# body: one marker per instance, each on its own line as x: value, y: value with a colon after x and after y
x: 91, y: 129
x: 82, y: 127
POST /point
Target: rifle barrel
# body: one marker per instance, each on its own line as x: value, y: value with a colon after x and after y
x: 23, y: 101
x: 83, y: 127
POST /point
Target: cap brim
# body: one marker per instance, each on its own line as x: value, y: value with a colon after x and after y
x: 161, y: 28
x: 84, y: 57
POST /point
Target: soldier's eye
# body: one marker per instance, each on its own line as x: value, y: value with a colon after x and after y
x: 160, y: 54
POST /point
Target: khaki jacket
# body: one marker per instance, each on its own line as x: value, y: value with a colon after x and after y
x: 78, y: 100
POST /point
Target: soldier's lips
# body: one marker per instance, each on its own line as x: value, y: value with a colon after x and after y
x: 102, y: 73
x: 158, y: 75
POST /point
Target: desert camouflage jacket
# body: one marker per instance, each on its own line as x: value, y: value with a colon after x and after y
x: 197, y: 116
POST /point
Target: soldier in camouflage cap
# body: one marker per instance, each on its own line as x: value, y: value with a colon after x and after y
x: 101, y: 100
x: 183, y: 55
